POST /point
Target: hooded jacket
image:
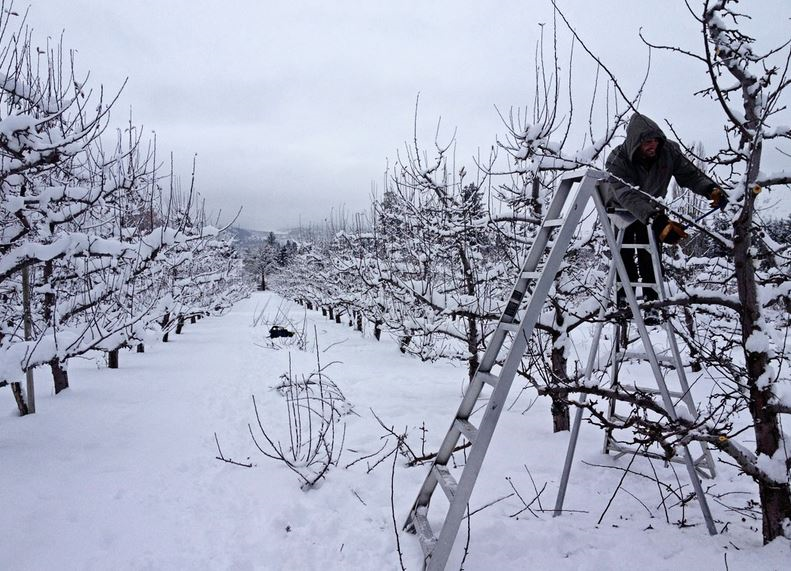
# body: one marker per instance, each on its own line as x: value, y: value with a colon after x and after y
x: 652, y: 177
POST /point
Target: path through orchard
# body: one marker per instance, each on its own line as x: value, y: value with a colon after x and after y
x: 120, y: 471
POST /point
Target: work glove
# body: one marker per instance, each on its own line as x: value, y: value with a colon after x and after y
x: 667, y: 230
x: 718, y: 198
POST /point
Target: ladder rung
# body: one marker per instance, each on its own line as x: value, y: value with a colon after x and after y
x: 616, y: 416
x: 553, y: 222
x: 534, y: 275
x: 624, y: 449
x: 643, y: 284
x: 513, y: 327
x: 423, y: 529
x: 488, y: 378
x: 467, y: 429
x: 703, y: 467
x: 446, y: 480
x: 636, y: 246
x: 640, y: 356
x: 651, y: 390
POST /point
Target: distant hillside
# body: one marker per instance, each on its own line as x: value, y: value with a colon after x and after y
x: 249, y: 238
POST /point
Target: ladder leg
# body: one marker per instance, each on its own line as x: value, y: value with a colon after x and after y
x: 620, y: 331
x: 564, y: 478
x: 652, y: 359
x: 575, y: 429
x: 692, y: 407
x: 564, y: 222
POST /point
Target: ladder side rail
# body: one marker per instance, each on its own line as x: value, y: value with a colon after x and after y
x: 555, y: 209
x: 593, y: 353
x: 534, y: 255
x: 450, y: 528
x: 686, y: 392
x: 448, y: 445
x: 662, y: 292
x: 489, y: 358
x: 651, y: 355
x: 544, y: 283
x: 634, y: 306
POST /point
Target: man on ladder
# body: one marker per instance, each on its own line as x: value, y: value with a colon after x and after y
x: 647, y: 160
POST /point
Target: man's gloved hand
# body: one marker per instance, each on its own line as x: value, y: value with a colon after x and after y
x: 667, y: 230
x: 718, y: 198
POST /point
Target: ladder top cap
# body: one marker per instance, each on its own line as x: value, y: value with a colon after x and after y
x: 579, y: 174
x: 621, y: 218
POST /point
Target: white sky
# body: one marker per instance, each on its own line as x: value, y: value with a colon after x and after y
x: 294, y: 107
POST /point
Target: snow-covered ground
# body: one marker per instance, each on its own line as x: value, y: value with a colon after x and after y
x: 119, y: 472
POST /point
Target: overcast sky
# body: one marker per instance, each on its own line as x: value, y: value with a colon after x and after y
x: 294, y: 107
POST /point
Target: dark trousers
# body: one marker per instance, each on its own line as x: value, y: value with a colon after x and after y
x: 638, y: 261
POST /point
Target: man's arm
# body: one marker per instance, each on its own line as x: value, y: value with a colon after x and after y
x: 688, y: 175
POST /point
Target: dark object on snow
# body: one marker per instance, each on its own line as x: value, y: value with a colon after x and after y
x: 277, y: 331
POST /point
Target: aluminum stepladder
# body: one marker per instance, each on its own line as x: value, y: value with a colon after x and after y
x: 670, y: 358
x: 704, y: 464
x: 535, y: 280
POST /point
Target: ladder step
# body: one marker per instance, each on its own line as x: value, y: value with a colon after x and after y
x: 643, y: 284
x: 622, y: 449
x: 616, y: 416
x: 446, y: 480
x: 553, y: 222
x: 651, y: 390
x: 704, y: 467
x: 512, y: 327
x: 534, y: 275
x: 467, y: 429
x: 641, y: 356
x: 423, y: 529
x: 488, y: 378
x: 636, y: 246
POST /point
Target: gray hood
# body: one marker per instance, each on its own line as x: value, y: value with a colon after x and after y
x: 639, y: 129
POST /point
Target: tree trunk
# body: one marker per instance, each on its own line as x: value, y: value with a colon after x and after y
x: 324, y: 312
x: 331, y: 312
x: 60, y: 375
x: 472, y: 346
x: 309, y: 305
x: 192, y: 319
x: 164, y: 324
x: 337, y: 317
x: 561, y: 419
x: 535, y: 197
x: 359, y: 322
x: 141, y: 348
x: 693, y: 353
x: 405, y: 341
x: 179, y: 324
x: 19, y: 397
x: 775, y: 498
x: 263, y: 281
x: 472, y: 320
x: 377, y: 329
x: 112, y: 359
